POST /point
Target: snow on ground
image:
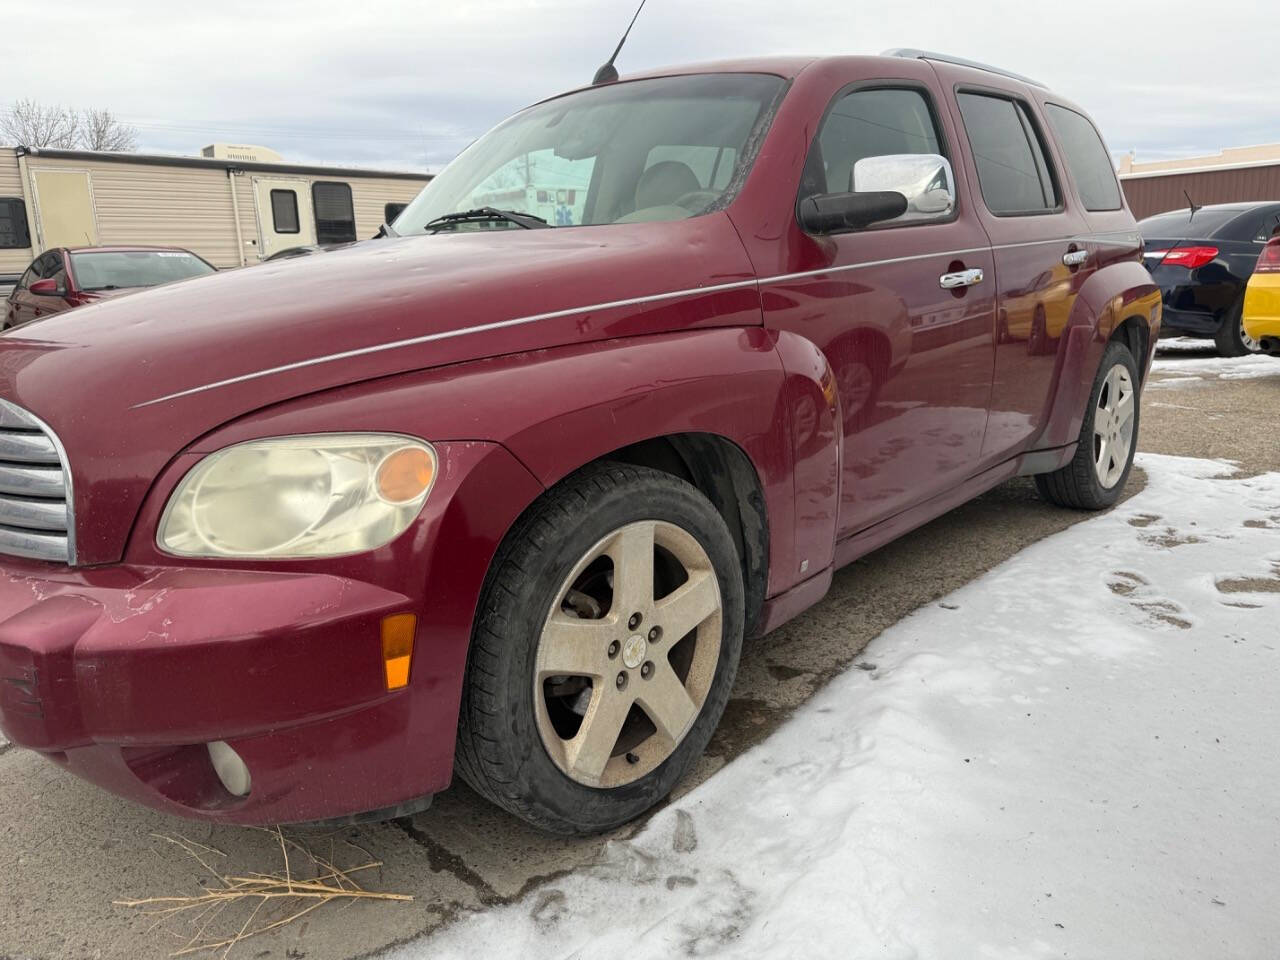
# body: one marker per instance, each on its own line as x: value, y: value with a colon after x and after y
x: 1228, y: 368
x: 1072, y: 756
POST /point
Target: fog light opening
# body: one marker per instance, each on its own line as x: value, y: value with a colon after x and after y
x: 231, y: 770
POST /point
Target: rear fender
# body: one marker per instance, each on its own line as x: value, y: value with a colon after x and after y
x: 1108, y: 298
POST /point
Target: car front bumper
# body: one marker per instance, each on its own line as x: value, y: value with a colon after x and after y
x: 125, y: 674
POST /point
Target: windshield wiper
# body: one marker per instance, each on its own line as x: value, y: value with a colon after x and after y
x: 485, y: 214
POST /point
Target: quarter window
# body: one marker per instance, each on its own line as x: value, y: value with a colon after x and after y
x: 868, y: 123
x: 13, y: 224
x: 391, y: 211
x: 1086, y: 157
x: 1013, y: 171
x: 335, y: 216
x: 284, y: 211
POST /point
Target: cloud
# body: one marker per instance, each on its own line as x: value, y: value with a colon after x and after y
x: 402, y: 85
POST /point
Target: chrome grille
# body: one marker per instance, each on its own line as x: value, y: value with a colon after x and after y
x: 35, y: 489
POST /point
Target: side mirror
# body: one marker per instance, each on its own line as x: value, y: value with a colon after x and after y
x: 925, y: 179
x: 45, y: 288
x: 837, y: 212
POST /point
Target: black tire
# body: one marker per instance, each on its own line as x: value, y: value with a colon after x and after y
x: 500, y: 753
x: 1230, y: 336
x: 1077, y: 485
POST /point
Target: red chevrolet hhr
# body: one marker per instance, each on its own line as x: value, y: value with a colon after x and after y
x: 503, y: 492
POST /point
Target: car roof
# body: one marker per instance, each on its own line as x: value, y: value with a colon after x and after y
x: 123, y: 248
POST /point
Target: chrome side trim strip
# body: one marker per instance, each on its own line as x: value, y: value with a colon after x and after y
x: 450, y: 334
x: 572, y: 311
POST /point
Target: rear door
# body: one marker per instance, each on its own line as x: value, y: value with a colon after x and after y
x: 284, y: 215
x: 1041, y: 250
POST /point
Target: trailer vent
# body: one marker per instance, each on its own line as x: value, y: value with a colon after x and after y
x: 35, y: 489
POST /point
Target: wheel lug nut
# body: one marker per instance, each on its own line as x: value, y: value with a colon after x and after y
x: 634, y: 621
x: 646, y: 671
x: 655, y: 634
x: 614, y: 648
x: 622, y: 680
x: 632, y: 759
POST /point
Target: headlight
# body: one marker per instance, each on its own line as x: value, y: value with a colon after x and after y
x: 306, y: 496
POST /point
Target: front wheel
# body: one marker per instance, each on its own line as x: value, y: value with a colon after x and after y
x: 604, y: 651
x: 1096, y: 475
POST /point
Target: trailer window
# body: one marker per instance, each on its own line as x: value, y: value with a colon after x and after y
x: 335, y: 216
x: 284, y: 211
x: 391, y: 211
x: 13, y: 224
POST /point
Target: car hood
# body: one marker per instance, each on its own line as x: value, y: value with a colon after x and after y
x: 130, y: 382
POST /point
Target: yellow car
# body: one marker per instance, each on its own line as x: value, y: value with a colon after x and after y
x: 1262, y: 299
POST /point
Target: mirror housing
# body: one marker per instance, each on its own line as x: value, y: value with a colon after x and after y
x: 838, y: 212
x: 45, y: 288
x: 925, y: 179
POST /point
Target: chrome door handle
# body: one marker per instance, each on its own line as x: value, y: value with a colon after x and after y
x: 962, y: 278
x: 1075, y: 258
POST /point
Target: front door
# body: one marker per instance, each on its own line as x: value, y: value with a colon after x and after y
x: 1041, y: 257
x: 284, y: 215
x: 910, y: 351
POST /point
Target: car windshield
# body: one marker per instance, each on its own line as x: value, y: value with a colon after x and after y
x: 113, y: 270
x: 645, y: 150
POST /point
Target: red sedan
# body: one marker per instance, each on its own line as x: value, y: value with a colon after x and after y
x: 63, y: 279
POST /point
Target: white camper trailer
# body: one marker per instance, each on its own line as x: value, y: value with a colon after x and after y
x: 234, y: 206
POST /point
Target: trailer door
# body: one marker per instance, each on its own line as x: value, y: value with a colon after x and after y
x: 284, y: 215
x: 64, y: 209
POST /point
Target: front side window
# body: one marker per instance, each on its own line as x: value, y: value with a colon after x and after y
x: 284, y: 211
x: 335, y: 215
x: 13, y: 224
x: 392, y: 210
x: 1013, y: 171
x: 1086, y: 157
x: 120, y: 270
x: 864, y: 124
x: 661, y: 149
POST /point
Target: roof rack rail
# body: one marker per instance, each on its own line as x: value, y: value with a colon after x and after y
x: 913, y: 54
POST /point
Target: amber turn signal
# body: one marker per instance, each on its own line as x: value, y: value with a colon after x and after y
x: 406, y: 475
x: 397, y: 648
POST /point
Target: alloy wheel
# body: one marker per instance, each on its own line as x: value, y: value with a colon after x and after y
x: 627, y: 654
x: 1113, y: 426
x: 1250, y: 344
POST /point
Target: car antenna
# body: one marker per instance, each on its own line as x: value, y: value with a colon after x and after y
x: 609, y: 73
x: 1192, y: 204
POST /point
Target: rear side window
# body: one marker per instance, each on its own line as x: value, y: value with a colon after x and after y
x: 1087, y: 158
x: 1013, y: 171
x: 284, y: 211
x: 335, y: 217
x: 13, y: 224
x: 868, y: 123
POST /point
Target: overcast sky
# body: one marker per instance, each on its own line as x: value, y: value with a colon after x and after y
x: 408, y: 85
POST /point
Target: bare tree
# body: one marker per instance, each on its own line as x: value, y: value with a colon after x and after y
x: 100, y: 130
x: 33, y: 125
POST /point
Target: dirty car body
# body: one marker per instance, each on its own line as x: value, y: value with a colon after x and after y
x: 824, y: 392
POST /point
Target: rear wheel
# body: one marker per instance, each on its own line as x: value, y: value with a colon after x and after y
x: 1231, y: 338
x: 1096, y: 475
x: 604, y: 650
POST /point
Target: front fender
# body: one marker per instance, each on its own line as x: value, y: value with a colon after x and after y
x: 1107, y: 298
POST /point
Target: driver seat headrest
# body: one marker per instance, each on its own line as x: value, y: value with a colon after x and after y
x: 664, y: 183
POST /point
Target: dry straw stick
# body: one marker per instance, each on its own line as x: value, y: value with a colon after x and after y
x: 299, y: 896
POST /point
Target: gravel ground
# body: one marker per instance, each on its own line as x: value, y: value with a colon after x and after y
x: 67, y: 850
